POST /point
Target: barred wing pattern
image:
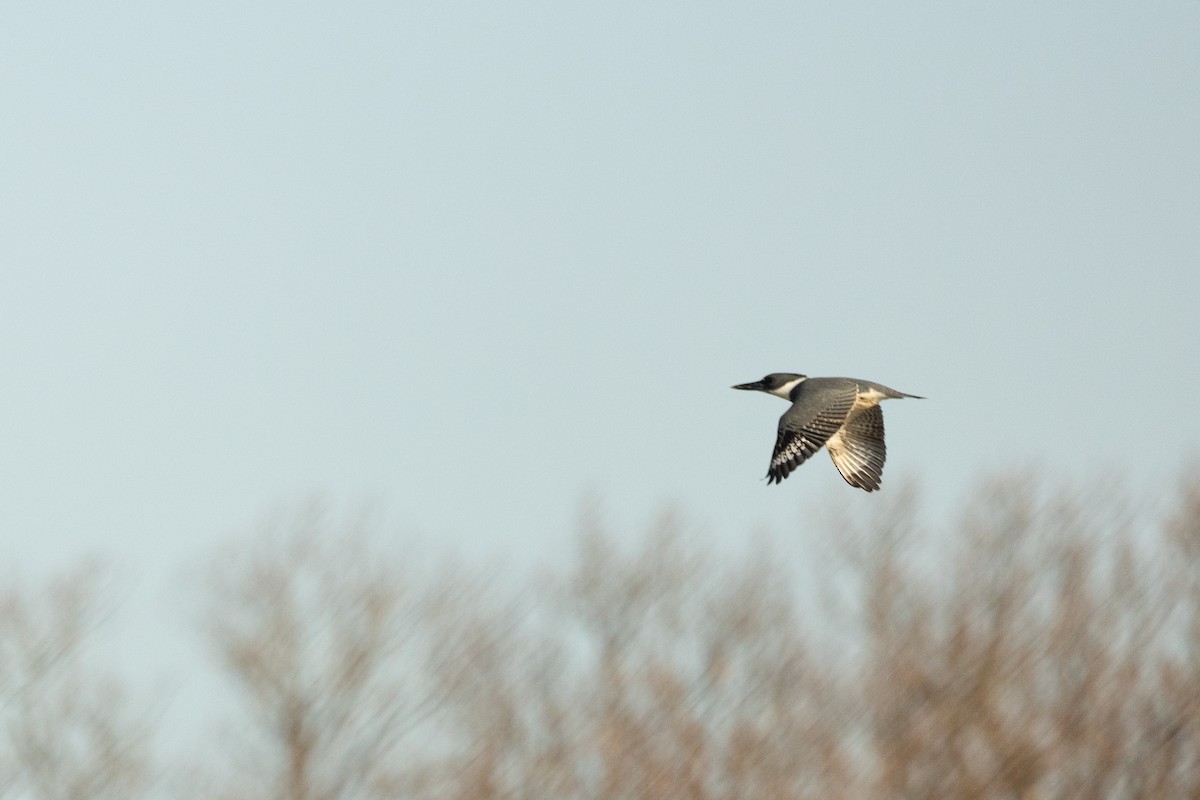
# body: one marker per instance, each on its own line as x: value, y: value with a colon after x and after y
x: 858, y: 450
x: 803, y: 430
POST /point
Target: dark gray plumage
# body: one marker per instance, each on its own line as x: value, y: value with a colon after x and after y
x: 840, y: 414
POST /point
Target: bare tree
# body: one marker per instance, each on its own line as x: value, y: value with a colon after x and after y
x: 320, y: 632
x: 1031, y: 669
x: 68, y: 730
x: 1045, y: 645
x: 659, y: 672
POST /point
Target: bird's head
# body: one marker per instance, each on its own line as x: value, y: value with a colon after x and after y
x: 779, y: 384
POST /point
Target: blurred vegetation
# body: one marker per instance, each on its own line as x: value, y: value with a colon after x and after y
x: 1046, y: 644
x: 65, y: 731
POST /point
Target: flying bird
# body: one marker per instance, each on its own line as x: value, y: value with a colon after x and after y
x: 841, y: 414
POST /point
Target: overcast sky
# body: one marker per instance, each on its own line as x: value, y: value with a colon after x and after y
x: 476, y: 261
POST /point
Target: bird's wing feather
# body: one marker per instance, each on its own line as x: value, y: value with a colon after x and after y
x: 858, y: 450
x: 805, y: 427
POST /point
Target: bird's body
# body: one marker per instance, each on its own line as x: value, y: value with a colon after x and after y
x: 840, y: 414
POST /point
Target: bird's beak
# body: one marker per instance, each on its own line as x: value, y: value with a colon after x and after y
x: 757, y: 385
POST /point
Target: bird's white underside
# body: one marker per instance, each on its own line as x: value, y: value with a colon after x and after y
x: 849, y: 461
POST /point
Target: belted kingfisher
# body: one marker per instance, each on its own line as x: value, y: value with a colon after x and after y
x: 843, y: 414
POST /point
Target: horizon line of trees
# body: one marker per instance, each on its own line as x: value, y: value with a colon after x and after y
x: 1043, y: 644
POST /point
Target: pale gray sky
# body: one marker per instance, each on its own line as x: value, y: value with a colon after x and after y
x: 475, y: 260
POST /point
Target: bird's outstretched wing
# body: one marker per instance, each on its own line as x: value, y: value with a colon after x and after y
x: 858, y: 450
x: 804, y: 428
